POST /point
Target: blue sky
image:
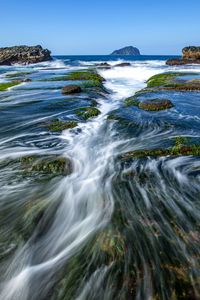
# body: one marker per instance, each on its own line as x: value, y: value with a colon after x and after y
x: 99, y: 27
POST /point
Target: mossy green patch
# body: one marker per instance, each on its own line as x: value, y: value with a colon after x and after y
x: 173, y: 151
x: 5, y: 85
x: 91, y: 83
x: 89, y: 75
x: 57, y: 125
x: 131, y: 101
x: 18, y: 74
x: 164, y: 79
x: 85, y: 75
x: 112, y: 243
x: 46, y: 165
x: 88, y: 112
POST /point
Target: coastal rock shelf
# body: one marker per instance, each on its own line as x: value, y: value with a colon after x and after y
x: 100, y: 180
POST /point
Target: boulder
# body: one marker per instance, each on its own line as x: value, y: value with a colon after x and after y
x: 155, y: 104
x: 71, y: 89
x: 24, y: 55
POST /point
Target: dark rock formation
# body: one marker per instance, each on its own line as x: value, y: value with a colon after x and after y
x: 123, y: 65
x: 127, y: 51
x: 23, y: 55
x: 191, y: 55
x: 71, y: 89
x: 104, y: 65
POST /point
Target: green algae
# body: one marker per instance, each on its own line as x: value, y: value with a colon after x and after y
x: 173, y: 151
x: 57, y: 125
x: 18, y: 74
x: 90, y: 75
x: 91, y: 83
x: 164, y: 79
x: 111, y: 242
x: 85, y: 75
x: 46, y: 165
x: 88, y: 112
x: 6, y: 85
x: 131, y: 101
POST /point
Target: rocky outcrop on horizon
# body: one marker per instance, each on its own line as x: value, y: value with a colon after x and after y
x: 190, y: 55
x: 24, y: 55
x: 130, y: 50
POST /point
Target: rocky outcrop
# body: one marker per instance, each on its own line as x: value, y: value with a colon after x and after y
x: 24, y: 55
x: 191, y: 55
x: 130, y: 50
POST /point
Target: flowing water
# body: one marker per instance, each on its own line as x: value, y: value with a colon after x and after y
x: 111, y: 229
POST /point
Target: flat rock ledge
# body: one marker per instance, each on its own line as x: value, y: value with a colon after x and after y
x: 24, y: 55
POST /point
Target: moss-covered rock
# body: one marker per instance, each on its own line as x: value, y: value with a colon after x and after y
x: 46, y: 165
x: 131, y: 101
x: 168, y: 81
x: 88, y: 75
x: 6, y: 85
x: 57, y: 125
x: 164, y: 79
x: 155, y: 104
x: 181, y: 150
x: 91, y: 84
x: 85, y: 75
x: 88, y: 112
x: 111, y: 242
x: 71, y: 89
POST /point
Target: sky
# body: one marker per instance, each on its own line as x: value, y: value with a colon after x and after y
x: 75, y: 27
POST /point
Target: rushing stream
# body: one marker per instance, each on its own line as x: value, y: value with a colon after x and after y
x: 110, y: 229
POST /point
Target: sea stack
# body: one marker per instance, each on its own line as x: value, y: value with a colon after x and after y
x: 130, y: 50
x: 190, y: 55
x: 24, y: 55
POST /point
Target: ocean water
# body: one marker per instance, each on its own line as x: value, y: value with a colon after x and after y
x: 111, y: 229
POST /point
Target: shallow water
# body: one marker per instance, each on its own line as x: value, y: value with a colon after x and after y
x: 111, y: 229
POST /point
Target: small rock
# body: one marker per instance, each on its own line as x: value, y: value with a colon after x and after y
x: 71, y: 89
x: 123, y: 65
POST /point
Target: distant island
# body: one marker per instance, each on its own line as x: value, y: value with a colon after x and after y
x: 130, y: 50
